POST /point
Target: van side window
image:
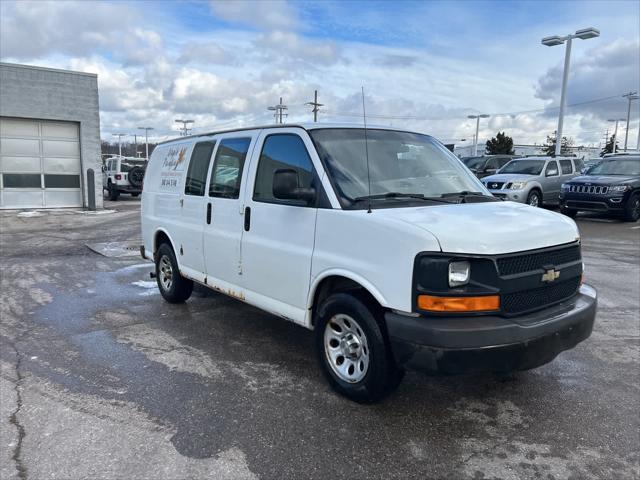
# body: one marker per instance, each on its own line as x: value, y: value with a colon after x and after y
x: 227, y: 167
x: 285, y: 150
x: 198, y: 169
x: 566, y: 167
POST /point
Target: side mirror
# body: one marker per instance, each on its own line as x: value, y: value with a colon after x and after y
x: 285, y: 186
x: 552, y: 173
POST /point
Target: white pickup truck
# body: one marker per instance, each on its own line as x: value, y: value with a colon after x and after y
x: 380, y: 241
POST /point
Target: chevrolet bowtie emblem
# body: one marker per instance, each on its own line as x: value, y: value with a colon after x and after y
x: 550, y: 275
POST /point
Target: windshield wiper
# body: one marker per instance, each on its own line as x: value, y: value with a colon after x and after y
x: 463, y: 195
x: 400, y: 195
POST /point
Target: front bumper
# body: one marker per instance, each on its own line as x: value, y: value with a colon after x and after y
x: 511, y: 195
x: 593, y: 203
x: 491, y: 343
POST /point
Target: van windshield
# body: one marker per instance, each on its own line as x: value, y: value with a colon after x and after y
x: 402, y: 166
x: 525, y: 167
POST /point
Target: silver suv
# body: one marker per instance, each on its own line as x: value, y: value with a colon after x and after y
x: 533, y: 180
x: 123, y: 175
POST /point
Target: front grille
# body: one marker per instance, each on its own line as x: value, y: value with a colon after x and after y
x: 528, y: 300
x: 595, y: 189
x: 494, y: 185
x: 535, y: 261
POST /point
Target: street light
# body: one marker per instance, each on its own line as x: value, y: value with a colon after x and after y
x: 146, y: 139
x: 475, y: 142
x: 119, y: 135
x: 629, y: 96
x: 615, y: 132
x: 552, y: 41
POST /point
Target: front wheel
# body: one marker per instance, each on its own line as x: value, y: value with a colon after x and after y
x: 534, y: 198
x: 174, y: 288
x: 352, y: 349
x: 632, y: 208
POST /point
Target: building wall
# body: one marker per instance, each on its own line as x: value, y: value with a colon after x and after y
x: 49, y: 94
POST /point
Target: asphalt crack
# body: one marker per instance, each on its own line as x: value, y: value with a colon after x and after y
x: 13, y: 419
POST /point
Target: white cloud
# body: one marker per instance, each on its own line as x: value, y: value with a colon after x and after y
x: 266, y: 14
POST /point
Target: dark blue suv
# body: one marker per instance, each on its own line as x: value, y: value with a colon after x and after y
x: 612, y: 186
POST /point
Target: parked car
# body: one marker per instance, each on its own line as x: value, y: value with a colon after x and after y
x: 532, y: 180
x: 612, y: 186
x: 396, y: 259
x: 487, y: 164
x: 123, y: 175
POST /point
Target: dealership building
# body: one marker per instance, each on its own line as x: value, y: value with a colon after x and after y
x: 49, y: 138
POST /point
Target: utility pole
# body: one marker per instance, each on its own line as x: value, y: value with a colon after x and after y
x: 146, y: 139
x: 185, y: 128
x: 119, y: 135
x: 135, y: 145
x: 279, y: 111
x: 629, y: 96
x: 316, y: 106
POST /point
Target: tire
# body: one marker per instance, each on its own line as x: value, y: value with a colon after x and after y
x: 352, y: 348
x: 174, y: 288
x: 534, y: 199
x: 136, y: 176
x: 632, y: 208
x: 134, y: 195
x: 569, y: 212
x: 113, y: 192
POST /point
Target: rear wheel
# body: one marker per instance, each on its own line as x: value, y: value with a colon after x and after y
x: 352, y: 349
x: 534, y: 198
x: 569, y: 212
x: 113, y: 192
x: 632, y: 208
x: 173, y: 286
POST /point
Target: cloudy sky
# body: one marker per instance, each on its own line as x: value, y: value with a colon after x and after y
x: 423, y: 65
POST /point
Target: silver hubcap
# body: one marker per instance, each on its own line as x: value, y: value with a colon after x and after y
x: 166, y: 273
x: 346, y: 348
x: 533, y: 201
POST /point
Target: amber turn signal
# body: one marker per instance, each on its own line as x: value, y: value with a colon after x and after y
x: 485, y: 303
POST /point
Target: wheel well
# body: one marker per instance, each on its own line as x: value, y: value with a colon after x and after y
x: 337, y: 283
x: 160, y: 238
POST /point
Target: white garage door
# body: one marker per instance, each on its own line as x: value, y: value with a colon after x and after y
x: 39, y: 164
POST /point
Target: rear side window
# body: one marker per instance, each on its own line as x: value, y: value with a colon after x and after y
x: 227, y: 168
x: 565, y: 165
x: 282, y: 151
x: 198, y: 169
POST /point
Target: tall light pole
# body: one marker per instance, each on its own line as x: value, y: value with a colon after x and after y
x: 615, y: 132
x: 552, y: 41
x: 475, y: 141
x: 146, y: 139
x: 629, y: 96
x: 185, y: 128
x: 119, y: 135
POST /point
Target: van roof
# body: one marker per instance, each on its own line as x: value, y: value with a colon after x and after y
x: 304, y: 125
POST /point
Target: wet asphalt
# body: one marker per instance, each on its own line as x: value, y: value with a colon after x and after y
x: 100, y: 378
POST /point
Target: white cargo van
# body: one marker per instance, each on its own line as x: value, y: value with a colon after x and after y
x: 381, y: 241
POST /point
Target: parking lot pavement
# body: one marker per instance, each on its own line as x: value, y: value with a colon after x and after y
x: 103, y: 379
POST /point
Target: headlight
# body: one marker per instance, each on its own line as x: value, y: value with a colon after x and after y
x: 620, y: 188
x: 518, y: 185
x: 459, y: 273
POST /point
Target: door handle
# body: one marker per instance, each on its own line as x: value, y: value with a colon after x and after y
x: 209, y: 213
x: 247, y: 219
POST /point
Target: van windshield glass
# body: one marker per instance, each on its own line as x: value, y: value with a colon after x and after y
x: 525, y: 167
x: 403, y: 166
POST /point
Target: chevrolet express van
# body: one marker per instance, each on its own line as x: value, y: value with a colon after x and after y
x: 378, y: 240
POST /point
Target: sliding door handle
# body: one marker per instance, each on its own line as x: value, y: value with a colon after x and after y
x: 247, y: 218
x: 209, y: 213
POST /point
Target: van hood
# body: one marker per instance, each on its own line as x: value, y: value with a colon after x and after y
x: 488, y: 228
